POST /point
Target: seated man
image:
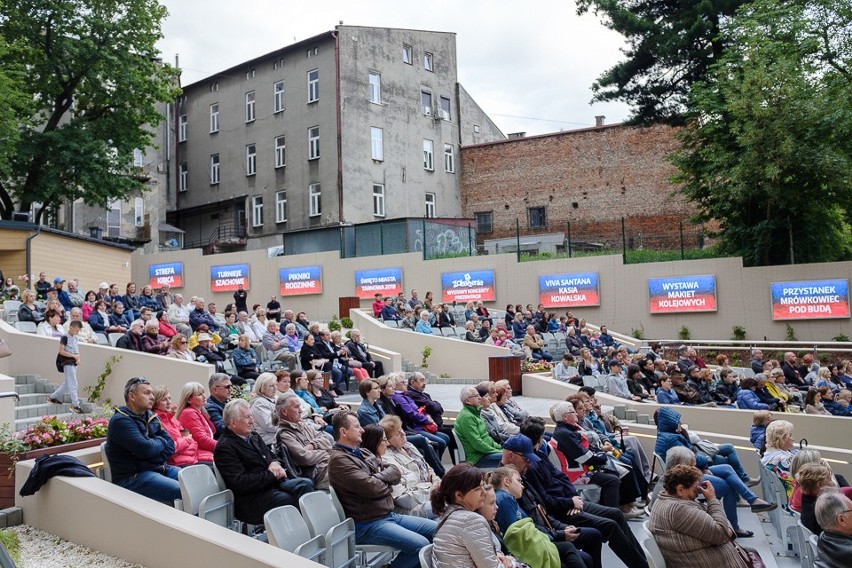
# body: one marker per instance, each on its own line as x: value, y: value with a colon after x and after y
x: 132, y: 340
x: 276, y: 347
x: 179, y: 315
x: 417, y: 392
x: 138, y: 446
x: 220, y: 394
x: 480, y: 449
x: 389, y: 311
x: 308, y: 447
x: 363, y: 485
x: 198, y: 316
x: 250, y: 470
x: 834, y: 515
x: 86, y: 335
x: 358, y: 351
x: 210, y: 352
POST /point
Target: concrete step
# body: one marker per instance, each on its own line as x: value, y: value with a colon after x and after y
x: 33, y: 398
x: 34, y: 413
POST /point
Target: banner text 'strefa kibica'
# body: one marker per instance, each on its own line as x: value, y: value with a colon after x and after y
x: 680, y: 294
x: 568, y: 290
x: 300, y: 281
x: 384, y: 281
x: 170, y: 274
x: 227, y: 278
x: 810, y: 299
x: 464, y: 287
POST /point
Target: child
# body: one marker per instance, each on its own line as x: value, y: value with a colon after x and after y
x: 69, y: 357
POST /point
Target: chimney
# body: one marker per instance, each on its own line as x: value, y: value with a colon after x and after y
x: 517, y: 135
x: 599, y: 120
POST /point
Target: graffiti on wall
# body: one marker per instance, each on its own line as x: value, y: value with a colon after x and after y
x: 442, y: 240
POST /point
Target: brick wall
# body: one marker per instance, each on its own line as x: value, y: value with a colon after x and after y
x: 590, y: 177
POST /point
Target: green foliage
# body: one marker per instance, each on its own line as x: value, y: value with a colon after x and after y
x: 346, y: 322
x: 450, y: 254
x: 94, y: 392
x: 670, y: 45
x: 427, y: 352
x: 334, y: 325
x: 638, y: 333
x: 790, y: 335
x: 12, y: 544
x: 683, y: 333
x: 96, y: 88
x: 444, y: 375
x: 773, y: 119
x: 840, y: 337
x: 739, y: 333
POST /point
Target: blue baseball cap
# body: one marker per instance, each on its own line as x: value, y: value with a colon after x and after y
x: 520, y: 444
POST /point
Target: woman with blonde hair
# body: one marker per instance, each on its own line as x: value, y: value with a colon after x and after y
x: 186, y: 448
x: 263, y: 407
x: 193, y: 416
x: 29, y: 310
x: 180, y: 350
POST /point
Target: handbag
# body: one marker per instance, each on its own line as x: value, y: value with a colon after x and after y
x: 62, y: 360
x: 707, y: 447
x: 5, y: 350
x: 749, y: 556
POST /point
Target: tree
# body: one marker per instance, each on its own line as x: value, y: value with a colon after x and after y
x: 670, y: 44
x: 767, y: 151
x: 92, y: 70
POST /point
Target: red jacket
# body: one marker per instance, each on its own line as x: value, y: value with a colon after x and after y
x: 186, y: 449
x: 202, y: 430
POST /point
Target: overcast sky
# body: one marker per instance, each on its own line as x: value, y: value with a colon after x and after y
x: 529, y: 66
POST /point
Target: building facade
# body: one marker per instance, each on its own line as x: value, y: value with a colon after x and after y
x: 588, y: 179
x: 351, y: 126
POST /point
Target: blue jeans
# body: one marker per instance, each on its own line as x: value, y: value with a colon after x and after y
x: 155, y: 485
x: 727, y: 454
x: 405, y: 533
x: 730, y: 476
x: 490, y: 461
x: 542, y: 356
x: 441, y: 439
x: 728, y: 497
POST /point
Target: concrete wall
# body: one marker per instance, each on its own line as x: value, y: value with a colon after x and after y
x: 742, y: 293
x: 62, y: 256
x: 476, y: 126
x: 107, y: 518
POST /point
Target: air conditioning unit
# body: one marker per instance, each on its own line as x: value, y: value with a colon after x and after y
x: 427, y: 110
x: 443, y: 115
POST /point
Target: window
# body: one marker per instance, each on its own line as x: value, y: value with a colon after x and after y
x: 250, y: 108
x: 311, y: 52
x: 257, y: 211
x: 430, y: 205
x: 281, y: 207
x: 251, y: 160
x: 427, y: 61
x: 138, y: 158
x: 484, y: 222
x: 214, y: 169
x: 407, y: 54
x: 476, y: 129
x: 537, y: 218
x: 375, y: 88
x: 428, y: 158
x: 378, y: 200
x: 214, y: 118
x: 139, y: 212
x: 444, y: 111
x: 214, y: 87
x: 313, y: 143
x: 313, y: 86
x: 182, y: 128
x: 114, y: 218
x: 278, y: 96
x: 426, y: 102
x: 250, y: 74
x: 376, y: 145
x: 449, y: 159
x: 280, y: 160
x: 183, y: 177
x: 314, y: 200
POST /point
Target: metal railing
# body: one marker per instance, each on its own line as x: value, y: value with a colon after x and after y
x: 732, y: 344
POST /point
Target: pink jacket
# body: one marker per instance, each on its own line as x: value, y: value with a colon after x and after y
x: 202, y: 429
x: 186, y: 449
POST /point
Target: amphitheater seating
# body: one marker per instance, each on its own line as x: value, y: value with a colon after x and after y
x: 286, y: 529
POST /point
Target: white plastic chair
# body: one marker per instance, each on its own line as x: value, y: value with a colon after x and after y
x: 653, y: 553
x: 589, y: 491
x: 287, y: 530
x: 460, y: 455
x: 106, y: 471
x: 26, y: 326
x: 112, y: 337
x: 806, y: 555
x: 426, y: 556
x: 197, y: 485
x: 813, y: 540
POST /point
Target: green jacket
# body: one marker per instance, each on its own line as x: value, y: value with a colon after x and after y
x: 470, y: 428
x: 530, y: 545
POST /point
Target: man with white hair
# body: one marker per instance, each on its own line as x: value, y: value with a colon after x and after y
x: 86, y: 335
x: 480, y: 449
x: 834, y: 515
x: 179, y: 315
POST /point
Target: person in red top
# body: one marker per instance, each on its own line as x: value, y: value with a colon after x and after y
x: 193, y: 416
x: 378, y: 304
x: 186, y: 448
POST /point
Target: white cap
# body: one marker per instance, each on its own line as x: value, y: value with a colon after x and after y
x: 103, y: 285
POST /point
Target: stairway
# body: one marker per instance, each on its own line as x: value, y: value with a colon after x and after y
x: 33, y: 404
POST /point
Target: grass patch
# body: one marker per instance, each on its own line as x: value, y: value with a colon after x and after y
x: 12, y: 543
x: 637, y: 256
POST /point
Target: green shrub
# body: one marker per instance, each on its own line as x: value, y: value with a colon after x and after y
x: 334, y: 325
x: 739, y: 333
x: 840, y: 337
x: 427, y: 351
x: 638, y: 333
x: 346, y: 322
x: 683, y: 333
x: 791, y: 333
x: 12, y: 543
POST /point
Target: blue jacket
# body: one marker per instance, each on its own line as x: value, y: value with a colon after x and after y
x: 64, y: 299
x: 836, y: 408
x: 668, y: 437
x: 136, y: 443
x: 508, y: 510
x: 519, y: 329
x: 369, y: 413
x: 148, y: 302
x: 423, y: 327
x: 244, y: 357
x: 758, y: 437
x: 667, y: 397
x: 214, y: 411
x: 97, y: 322
x: 389, y: 313
x: 747, y: 399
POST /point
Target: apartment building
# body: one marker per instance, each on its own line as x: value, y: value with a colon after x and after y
x: 348, y: 127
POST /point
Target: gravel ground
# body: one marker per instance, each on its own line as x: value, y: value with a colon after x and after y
x: 42, y: 550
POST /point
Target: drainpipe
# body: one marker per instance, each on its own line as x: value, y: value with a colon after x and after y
x: 340, y: 218
x: 29, y: 267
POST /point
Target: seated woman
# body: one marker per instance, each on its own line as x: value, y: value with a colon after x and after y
x: 469, y: 334
x: 324, y: 398
x: 119, y: 320
x: 180, y: 349
x: 192, y: 415
x: 779, y: 454
x: 407, y: 497
x: 186, y: 448
x: 832, y: 404
x: 263, y: 407
x: 813, y: 401
x: 747, y: 398
x: 309, y: 356
x: 596, y: 421
x: 245, y: 359
x: 463, y: 537
x: 806, y: 456
x: 29, y: 310
x: 152, y: 341
x: 687, y: 532
x: 588, y: 365
x: 423, y: 325
x: 574, y: 343
x: 52, y: 325
x: 499, y: 427
x: 765, y: 396
x: 301, y: 386
x: 812, y: 479
x: 564, y: 371
x: 507, y: 404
